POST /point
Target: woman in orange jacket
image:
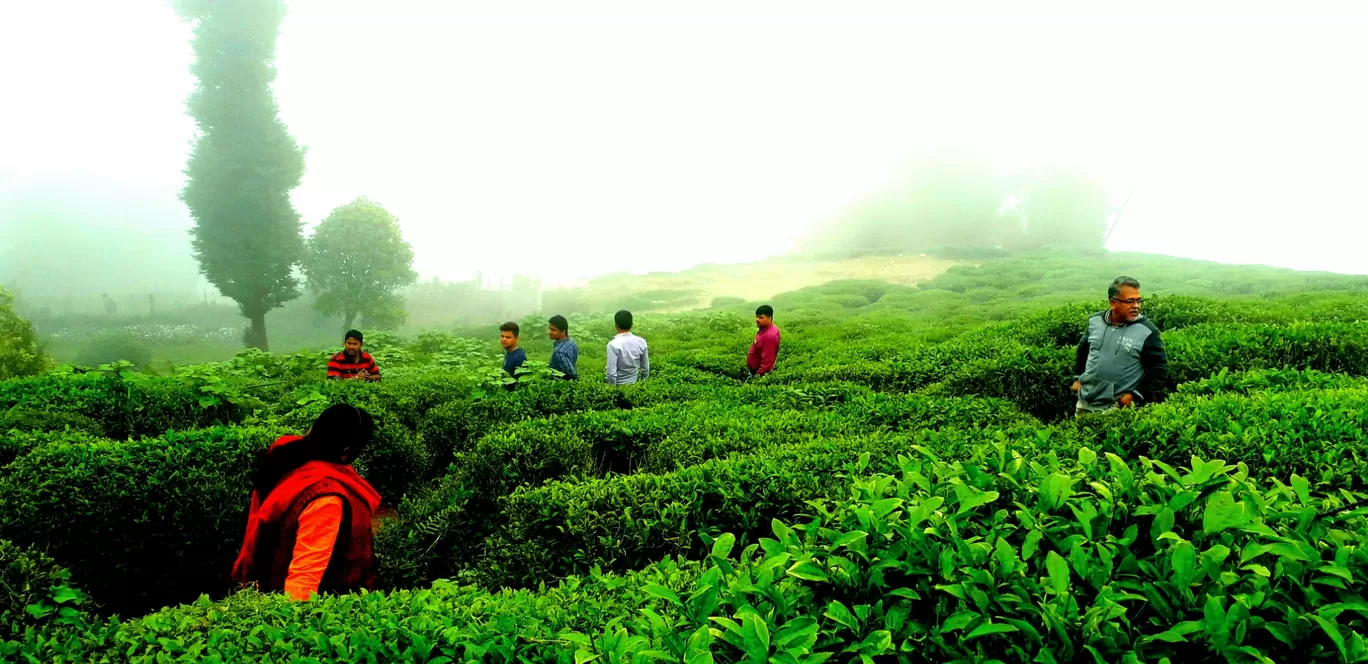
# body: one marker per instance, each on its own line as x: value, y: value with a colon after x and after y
x: 309, y: 526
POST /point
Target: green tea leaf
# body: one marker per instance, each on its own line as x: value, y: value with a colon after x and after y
x: 1056, y: 489
x: 722, y: 546
x: 1302, y: 487
x: 990, y: 628
x: 1163, y: 523
x: 839, y: 614
x: 1331, y: 629
x: 886, y: 506
x: 849, y: 538
x: 1059, y: 572
x: 959, y: 620
x: 807, y: 570
x: 976, y: 500
x: 1184, y: 562
x: 1028, y: 548
x: 1223, y: 512
x: 663, y: 593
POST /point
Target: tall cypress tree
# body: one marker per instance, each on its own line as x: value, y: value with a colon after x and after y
x: 244, y: 161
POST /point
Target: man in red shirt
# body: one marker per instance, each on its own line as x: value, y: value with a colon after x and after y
x: 353, y: 363
x: 760, y: 359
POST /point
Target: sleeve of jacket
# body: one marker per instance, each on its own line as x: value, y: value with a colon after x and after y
x: 1081, y: 355
x: 610, y: 370
x: 318, y: 526
x: 1154, y: 361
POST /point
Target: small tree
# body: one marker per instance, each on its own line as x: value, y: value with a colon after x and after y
x: 20, y: 353
x: 356, y: 262
x: 244, y: 162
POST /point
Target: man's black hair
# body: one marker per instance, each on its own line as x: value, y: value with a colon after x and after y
x: 510, y: 326
x: 1115, y: 288
x: 560, y: 323
x: 765, y: 310
x: 354, y: 334
x: 623, y: 320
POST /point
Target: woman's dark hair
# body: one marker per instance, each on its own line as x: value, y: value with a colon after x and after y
x: 342, y: 428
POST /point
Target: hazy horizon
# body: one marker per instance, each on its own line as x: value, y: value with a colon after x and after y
x: 568, y: 144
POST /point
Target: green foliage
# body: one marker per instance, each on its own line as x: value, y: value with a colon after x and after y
x: 143, y: 524
x: 34, y: 420
x: 356, y: 262
x: 20, y: 352
x: 244, y: 163
x: 908, y: 485
x: 113, y: 348
x: 123, y: 406
x: 1320, y: 435
x: 994, y: 556
x: 35, y: 592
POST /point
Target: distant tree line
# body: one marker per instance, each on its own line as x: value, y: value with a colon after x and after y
x: 953, y: 201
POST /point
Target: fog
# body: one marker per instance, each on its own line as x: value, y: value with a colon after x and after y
x: 631, y: 137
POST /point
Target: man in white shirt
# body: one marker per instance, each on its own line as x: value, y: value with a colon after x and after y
x: 628, y: 360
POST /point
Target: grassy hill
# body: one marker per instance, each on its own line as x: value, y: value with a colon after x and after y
x: 909, y: 485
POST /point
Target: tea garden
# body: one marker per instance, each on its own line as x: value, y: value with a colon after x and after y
x: 909, y: 485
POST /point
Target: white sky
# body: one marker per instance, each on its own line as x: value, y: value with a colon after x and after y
x: 630, y: 136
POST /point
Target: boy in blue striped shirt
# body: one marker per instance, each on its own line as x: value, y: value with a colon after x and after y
x: 565, y: 354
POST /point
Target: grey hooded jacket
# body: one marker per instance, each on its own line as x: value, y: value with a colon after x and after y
x: 1115, y: 359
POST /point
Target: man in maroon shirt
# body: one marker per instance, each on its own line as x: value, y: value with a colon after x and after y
x: 760, y: 359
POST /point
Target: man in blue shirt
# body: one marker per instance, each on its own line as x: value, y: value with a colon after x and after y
x: 513, y: 356
x: 565, y: 354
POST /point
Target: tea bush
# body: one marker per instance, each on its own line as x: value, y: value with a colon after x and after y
x: 909, y: 485
x: 123, y: 406
x: 1267, y: 381
x: 143, y: 524
x: 1320, y: 435
x: 35, y: 592
x: 995, y: 556
x: 34, y: 420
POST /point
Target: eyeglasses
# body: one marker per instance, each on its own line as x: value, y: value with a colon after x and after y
x: 1138, y: 300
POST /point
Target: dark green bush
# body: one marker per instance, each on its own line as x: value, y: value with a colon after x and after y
x: 394, y: 462
x: 446, y: 622
x: 624, y: 522
x: 34, y: 420
x: 143, y: 524
x: 1320, y: 435
x: 113, y: 347
x: 124, y: 407
x: 1268, y: 381
x: 15, y: 443
x: 453, y: 425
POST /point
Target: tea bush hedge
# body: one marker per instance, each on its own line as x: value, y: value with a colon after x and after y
x: 995, y: 556
x: 35, y: 592
x: 1320, y: 435
x: 143, y: 524
x: 909, y: 485
x: 123, y: 407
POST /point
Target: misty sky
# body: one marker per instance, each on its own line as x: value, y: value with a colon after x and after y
x: 632, y: 137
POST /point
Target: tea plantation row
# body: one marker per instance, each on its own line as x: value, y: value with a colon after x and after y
x: 928, y: 502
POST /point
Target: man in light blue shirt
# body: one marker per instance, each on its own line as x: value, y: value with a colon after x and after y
x: 628, y: 359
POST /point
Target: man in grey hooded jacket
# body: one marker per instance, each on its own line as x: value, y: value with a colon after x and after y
x: 1120, y: 361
